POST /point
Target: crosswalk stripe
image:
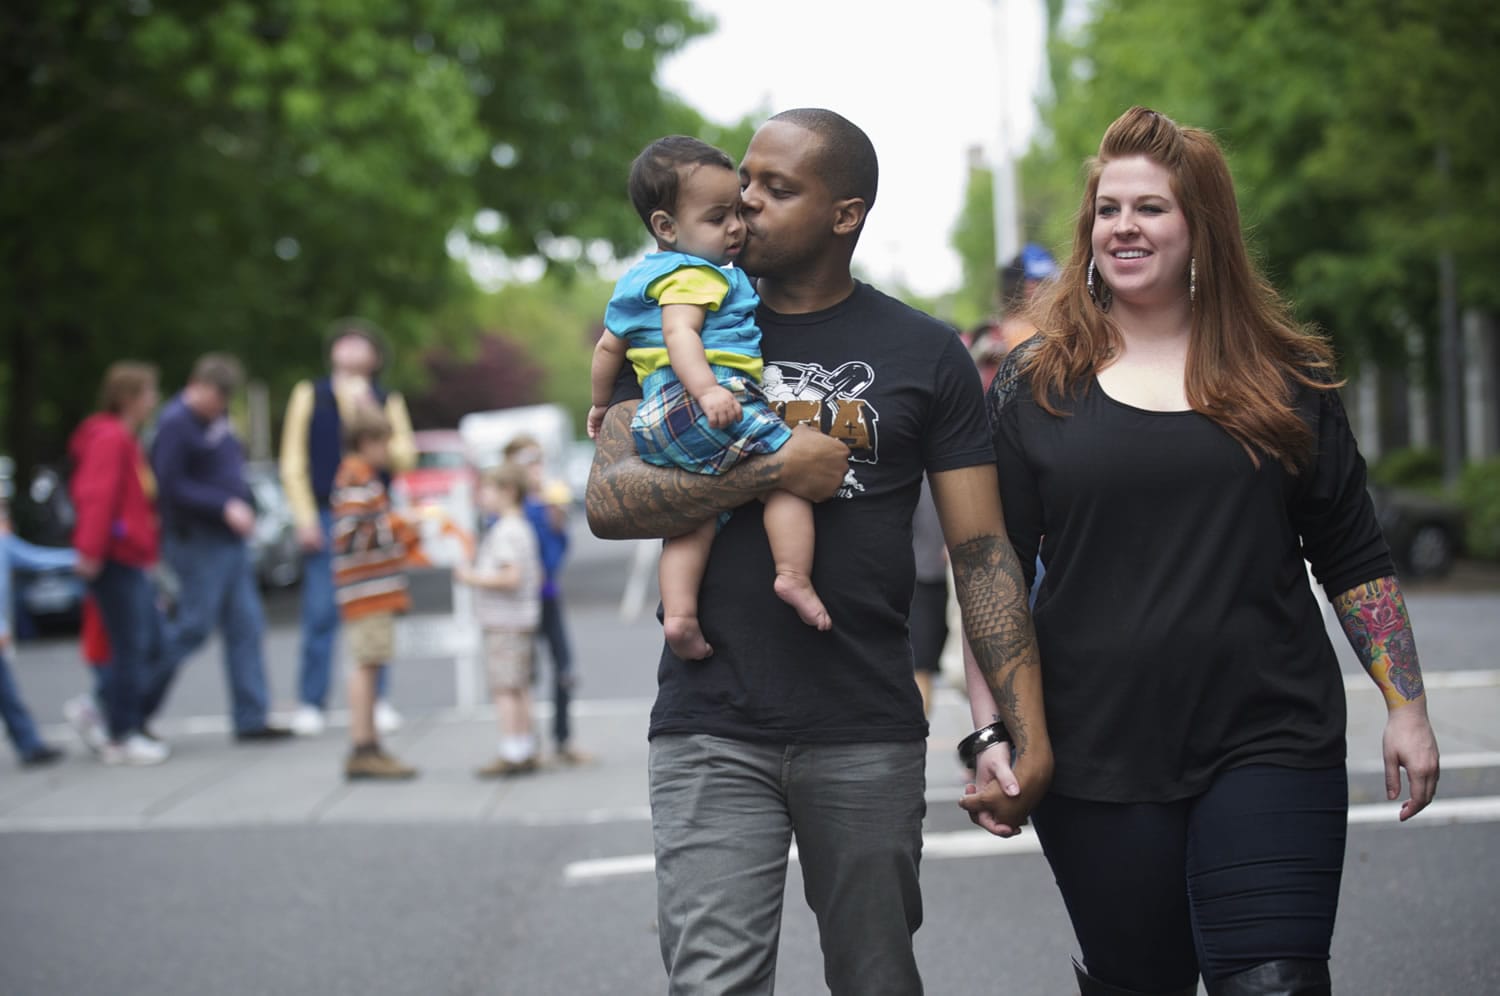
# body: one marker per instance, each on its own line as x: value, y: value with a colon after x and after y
x: 978, y: 844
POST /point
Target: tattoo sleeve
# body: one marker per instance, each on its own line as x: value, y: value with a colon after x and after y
x: 992, y: 594
x: 628, y: 498
x: 1374, y: 619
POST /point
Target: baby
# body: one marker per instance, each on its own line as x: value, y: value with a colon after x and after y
x: 685, y: 319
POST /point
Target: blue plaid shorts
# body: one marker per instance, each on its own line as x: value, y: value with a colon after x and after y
x: 670, y: 429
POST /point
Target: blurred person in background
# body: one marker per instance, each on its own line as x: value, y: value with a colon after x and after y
x: 207, y: 517
x: 31, y: 749
x: 1020, y: 279
x: 117, y: 540
x: 84, y: 713
x: 928, y: 620
x: 371, y: 550
x: 311, y: 448
x: 547, y: 506
x: 507, y: 578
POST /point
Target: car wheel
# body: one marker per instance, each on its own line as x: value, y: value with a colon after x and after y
x: 1430, y: 552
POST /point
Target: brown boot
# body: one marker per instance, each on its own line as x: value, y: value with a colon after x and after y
x: 501, y: 768
x: 374, y: 763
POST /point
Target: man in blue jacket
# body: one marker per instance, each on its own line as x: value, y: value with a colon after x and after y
x: 207, y: 518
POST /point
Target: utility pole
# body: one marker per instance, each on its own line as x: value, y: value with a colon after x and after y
x: 1006, y: 195
x: 1450, y: 353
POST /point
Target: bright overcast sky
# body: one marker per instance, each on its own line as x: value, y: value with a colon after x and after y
x: 923, y: 81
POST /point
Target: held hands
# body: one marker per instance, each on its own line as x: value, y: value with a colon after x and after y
x: 996, y: 800
x: 1409, y: 743
x: 88, y: 568
x: 719, y: 405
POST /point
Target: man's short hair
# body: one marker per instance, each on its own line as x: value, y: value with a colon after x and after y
x: 656, y: 173
x: 220, y: 371
x: 365, y: 423
x: 845, y: 157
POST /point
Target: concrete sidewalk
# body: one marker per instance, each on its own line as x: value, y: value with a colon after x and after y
x: 211, y: 782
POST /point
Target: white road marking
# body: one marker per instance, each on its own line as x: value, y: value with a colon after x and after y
x: 1450, y: 762
x: 978, y: 844
x: 1432, y: 680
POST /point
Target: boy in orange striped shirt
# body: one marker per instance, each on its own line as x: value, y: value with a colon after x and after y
x: 371, y: 549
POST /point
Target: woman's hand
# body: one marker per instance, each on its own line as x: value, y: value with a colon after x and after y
x: 1410, y: 743
x: 1001, y: 797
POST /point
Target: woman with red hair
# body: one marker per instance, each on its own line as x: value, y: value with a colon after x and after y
x: 1173, y: 445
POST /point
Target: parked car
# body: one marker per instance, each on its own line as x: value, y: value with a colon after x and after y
x: 274, y: 548
x: 42, y: 513
x: 1425, y: 533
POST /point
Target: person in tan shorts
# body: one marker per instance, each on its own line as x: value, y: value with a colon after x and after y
x: 371, y: 549
x: 507, y: 578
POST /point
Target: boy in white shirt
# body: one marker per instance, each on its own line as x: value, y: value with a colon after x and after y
x: 507, y: 582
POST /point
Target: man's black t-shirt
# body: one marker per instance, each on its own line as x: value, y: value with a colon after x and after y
x: 1177, y: 630
x: 898, y: 387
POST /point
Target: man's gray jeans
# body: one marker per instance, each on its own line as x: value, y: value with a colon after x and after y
x: 724, y: 813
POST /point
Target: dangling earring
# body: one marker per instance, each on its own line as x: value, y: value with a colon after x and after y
x: 1193, y: 278
x: 1101, y: 295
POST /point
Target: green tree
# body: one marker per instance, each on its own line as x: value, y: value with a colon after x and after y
x: 176, y: 177
x: 974, y: 240
x: 1332, y: 116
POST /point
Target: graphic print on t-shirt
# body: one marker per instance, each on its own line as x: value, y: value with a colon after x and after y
x: 829, y: 401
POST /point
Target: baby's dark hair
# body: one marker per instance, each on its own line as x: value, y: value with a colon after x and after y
x: 655, y: 174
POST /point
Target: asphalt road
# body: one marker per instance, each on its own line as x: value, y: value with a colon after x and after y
x: 563, y: 903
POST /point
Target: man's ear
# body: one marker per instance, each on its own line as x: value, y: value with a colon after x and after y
x: 664, y: 227
x: 848, y: 215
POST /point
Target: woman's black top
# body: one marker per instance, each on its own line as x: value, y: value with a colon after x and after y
x: 1178, y: 632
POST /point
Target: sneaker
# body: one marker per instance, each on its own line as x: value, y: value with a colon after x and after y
x: 376, y: 764
x: 308, y: 721
x: 83, y: 715
x: 135, y: 750
x: 501, y: 768
x: 387, y: 719
x: 41, y: 757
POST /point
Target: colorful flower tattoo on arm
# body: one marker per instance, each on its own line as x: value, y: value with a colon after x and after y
x: 1374, y: 618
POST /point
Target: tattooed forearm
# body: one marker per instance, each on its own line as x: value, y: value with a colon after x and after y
x: 628, y: 498
x: 992, y: 595
x: 1374, y: 618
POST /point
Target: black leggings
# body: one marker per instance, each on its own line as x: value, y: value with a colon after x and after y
x: 1246, y: 873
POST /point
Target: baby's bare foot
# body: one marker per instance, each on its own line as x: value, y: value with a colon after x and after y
x: 686, y: 638
x: 798, y: 592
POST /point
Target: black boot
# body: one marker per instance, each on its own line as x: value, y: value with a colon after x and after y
x: 1090, y: 986
x: 1284, y: 977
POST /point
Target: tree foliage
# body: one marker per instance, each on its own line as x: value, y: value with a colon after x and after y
x: 1333, y: 116
x: 973, y: 240
x: 177, y: 177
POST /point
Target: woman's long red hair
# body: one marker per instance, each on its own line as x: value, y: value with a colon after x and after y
x: 1246, y: 352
